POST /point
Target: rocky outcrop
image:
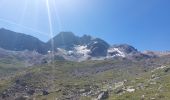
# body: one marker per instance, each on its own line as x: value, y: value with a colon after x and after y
x: 103, y: 95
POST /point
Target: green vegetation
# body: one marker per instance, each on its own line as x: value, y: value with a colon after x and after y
x: 122, y: 79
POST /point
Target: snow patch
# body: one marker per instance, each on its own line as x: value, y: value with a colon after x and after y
x: 62, y: 51
x: 95, y: 42
x: 82, y: 50
x: 117, y: 52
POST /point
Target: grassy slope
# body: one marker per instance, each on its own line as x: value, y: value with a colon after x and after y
x: 72, y: 79
x: 151, y: 86
x: 8, y: 68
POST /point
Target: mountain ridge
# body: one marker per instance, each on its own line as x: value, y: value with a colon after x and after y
x: 61, y: 39
x: 68, y: 46
x: 18, y: 42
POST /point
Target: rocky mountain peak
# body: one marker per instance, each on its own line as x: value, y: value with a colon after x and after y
x: 125, y: 48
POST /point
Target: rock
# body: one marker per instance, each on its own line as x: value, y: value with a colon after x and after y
x: 103, y: 95
x: 167, y: 70
x: 119, y: 84
x: 137, y: 78
x: 130, y: 90
x: 84, y: 90
x: 118, y: 90
x: 20, y: 82
x: 125, y: 81
x: 143, y: 97
x: 4, y: 95
x: 22, y: 98
x: 152, y: 83
x: 31, y: 92
x: 45, y: 92
x: 140, y: 86
x: 153, y: 76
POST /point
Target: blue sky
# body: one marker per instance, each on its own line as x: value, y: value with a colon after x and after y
x: 145, y: 24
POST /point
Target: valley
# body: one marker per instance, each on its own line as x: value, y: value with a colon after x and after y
x: 82, y: 68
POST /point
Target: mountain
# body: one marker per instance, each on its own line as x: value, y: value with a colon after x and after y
x: 80, y: 68
x: 157, y: 53
x: 68, y: 41
x: 18, y: 42
x: 85, y: 39
x: 68, y: 46
x: 98, y: 47
x: 65, y: 40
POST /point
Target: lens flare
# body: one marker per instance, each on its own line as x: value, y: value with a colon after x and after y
x: 24, y: 27
x: 50, y: 31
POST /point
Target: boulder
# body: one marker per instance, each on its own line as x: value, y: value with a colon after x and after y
x: 45, y: 92
x: 31, y: 92
x: 118, y: 90
x: 103, y: 95
x: 167, y: 70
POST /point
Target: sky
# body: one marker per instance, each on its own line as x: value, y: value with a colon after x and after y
x: 144, y: 24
